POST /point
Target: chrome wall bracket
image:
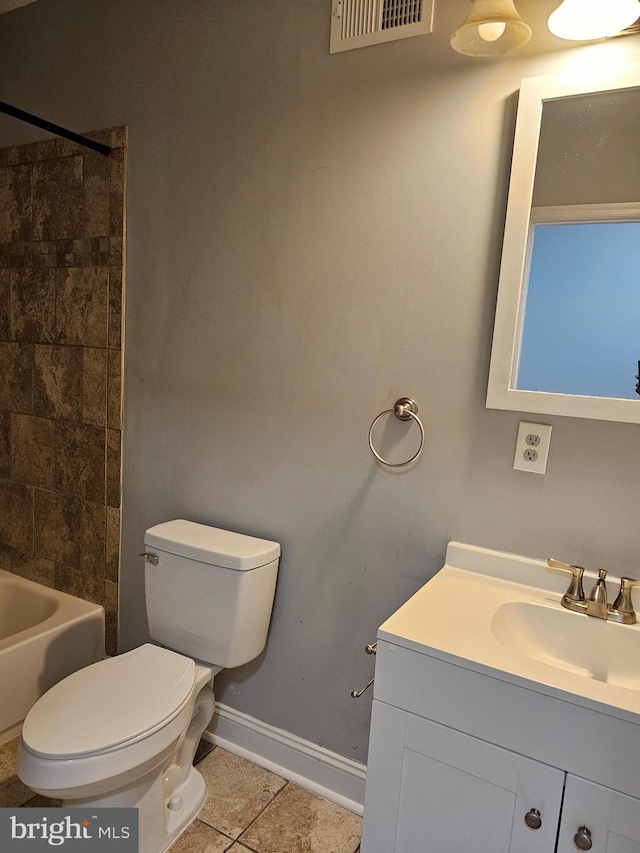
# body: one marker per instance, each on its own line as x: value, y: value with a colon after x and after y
x: 370, y: 649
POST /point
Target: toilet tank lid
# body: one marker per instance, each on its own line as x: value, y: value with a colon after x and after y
x: 211, y: 545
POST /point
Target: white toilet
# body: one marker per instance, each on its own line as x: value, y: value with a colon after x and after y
x: 123, y: 732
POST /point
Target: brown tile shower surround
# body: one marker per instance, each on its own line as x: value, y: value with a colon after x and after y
x: 61, y: 289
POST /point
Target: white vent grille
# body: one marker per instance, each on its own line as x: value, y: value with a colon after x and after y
x: 358, y: 17
x: 400, y: 13
x: 358, y: 23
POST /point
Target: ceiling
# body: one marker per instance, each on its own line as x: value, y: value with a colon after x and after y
x: 8, y: 5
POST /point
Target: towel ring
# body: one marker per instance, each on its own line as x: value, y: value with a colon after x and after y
x: 404, y: 409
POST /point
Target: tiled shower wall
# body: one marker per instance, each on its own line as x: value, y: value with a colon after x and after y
x: 61, y: 289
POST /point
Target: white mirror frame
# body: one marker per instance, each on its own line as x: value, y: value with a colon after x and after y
x: 514, y: 272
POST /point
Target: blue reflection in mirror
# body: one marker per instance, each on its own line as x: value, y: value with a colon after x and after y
x: 581, y: 332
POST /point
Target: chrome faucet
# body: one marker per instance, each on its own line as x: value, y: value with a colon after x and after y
x: 597, y: 603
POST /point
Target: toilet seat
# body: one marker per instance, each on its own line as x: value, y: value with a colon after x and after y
x: 145, y: 688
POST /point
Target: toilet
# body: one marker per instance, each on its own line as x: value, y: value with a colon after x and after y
x: 123, y: 731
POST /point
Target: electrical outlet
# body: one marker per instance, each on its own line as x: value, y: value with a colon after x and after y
x: 532, y: 447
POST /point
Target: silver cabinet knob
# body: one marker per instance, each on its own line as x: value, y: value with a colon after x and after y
x: 582, y: 839
x: 533, y: 819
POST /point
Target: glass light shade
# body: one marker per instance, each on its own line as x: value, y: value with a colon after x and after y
x: 581, y: 20
x: 492, y: 28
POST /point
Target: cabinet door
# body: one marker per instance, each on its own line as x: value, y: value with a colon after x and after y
x: 613, y: 819
x: 431, y: 789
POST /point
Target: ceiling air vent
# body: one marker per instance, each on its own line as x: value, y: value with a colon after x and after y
x: 359, y: 23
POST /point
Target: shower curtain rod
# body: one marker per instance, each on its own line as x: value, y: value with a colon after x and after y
x: 54, y: 128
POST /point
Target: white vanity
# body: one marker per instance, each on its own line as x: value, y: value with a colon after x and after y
x: 503, y: 723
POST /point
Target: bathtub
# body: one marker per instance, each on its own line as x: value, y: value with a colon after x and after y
x: 45, y: 635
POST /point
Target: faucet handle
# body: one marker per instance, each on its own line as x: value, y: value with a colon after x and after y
x: 623, y: 603
x: 575, y: 592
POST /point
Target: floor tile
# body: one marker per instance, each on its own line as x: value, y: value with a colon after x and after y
x: 237, y: 791
x: 200, y: 838
x: 40, y: 802
x: 204, y: 748
x: 276, y: 817
x: 300, y: 822
x: 12, y: 792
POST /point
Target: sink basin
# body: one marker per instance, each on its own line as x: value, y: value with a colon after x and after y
x: 570, y: 641
x: 500, y: 614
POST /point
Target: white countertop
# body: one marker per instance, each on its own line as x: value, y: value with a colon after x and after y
x: 457, y: 617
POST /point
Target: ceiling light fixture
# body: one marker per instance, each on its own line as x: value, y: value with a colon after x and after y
x: 492, y: 28
x: 583, y: 20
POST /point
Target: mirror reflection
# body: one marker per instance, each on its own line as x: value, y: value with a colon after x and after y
x: 582, y: 320
x: 589, y: 149
x: 580, y: 325
x: 566, y: 332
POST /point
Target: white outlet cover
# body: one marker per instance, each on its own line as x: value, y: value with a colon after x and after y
x: 531, y: 454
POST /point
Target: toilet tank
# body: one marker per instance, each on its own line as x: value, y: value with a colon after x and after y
x: 211, y: 593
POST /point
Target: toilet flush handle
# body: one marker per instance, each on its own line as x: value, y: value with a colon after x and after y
x: 149, y: 558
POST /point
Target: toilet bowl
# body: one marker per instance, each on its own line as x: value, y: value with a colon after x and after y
x: 152, y: 706
x: 124, y: 731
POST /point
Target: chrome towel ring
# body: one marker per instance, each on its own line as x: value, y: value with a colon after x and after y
x: 404, y: 409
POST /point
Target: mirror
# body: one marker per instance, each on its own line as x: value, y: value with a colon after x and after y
x: 566, y: 337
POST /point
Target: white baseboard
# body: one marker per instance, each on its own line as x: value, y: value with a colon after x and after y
x: 319, y: 770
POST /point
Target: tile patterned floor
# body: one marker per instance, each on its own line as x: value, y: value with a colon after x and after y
x: 247, y: 810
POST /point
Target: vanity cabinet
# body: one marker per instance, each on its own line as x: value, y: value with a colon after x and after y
x: 431, y: 789
x: 476, y: 733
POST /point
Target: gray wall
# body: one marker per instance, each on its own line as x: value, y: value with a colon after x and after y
x: 310, y: 237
